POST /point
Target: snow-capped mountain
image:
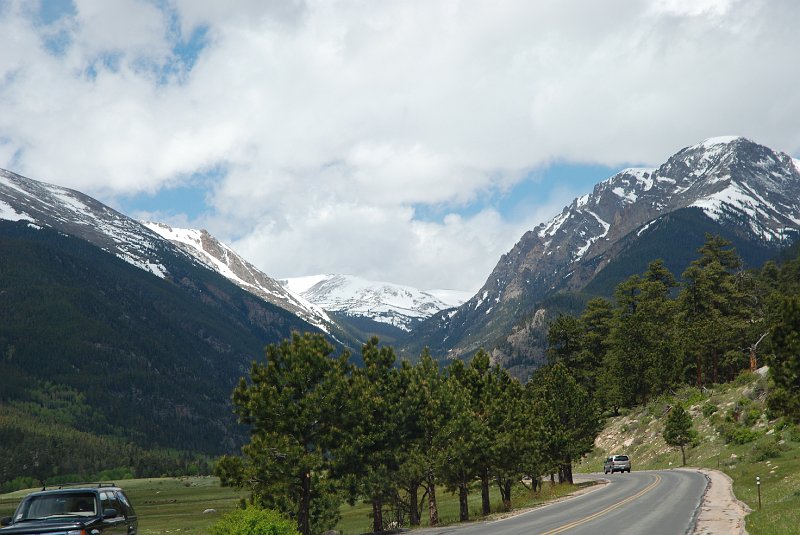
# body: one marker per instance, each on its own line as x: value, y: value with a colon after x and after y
x: 747, y: 189
x: 383, y: 302
x: 224, y: 260
x: 72, y: 212
x: 149, y: 246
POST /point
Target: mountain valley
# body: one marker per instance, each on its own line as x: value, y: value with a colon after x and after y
x: 143, y: 329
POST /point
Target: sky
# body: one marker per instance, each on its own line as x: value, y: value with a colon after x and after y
x: 408, y: 141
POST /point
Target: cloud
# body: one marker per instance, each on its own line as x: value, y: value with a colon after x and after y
x: 331, y: 121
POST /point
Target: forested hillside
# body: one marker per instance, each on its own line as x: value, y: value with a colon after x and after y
x: 657, y: 333
x: 97, y: 355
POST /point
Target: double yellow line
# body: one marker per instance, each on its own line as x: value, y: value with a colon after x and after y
x: 607, y: 510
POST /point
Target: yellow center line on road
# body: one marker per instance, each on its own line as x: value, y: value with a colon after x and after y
x: 607, y: 510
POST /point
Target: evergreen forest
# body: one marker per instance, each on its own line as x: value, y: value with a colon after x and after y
x: 393, y: 433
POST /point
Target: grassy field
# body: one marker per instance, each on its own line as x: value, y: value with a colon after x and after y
x: 166, y: 505
x: 755, y: 446
x: 176, y: 505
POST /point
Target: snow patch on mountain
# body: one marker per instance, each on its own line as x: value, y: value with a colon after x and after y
x: 225, y: 261
x: 719, y: 140
x: 394, y: 304
x: 9, y: 214
x: 74, y: 213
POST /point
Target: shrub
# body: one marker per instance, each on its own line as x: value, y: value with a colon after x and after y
x: 709, y: 409
x: 794, y: 433
x: 745, y: 378
x: 751, y: 416
x: 693, y: 395
x: 766, y: 448
x: 254, y: 521
x: 734, y: 434
x: 742, y: 435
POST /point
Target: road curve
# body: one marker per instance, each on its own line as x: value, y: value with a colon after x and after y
x: 662, y: 502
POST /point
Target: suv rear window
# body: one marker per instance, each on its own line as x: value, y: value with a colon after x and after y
x: 620, y: 457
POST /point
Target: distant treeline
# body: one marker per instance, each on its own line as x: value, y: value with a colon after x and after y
x: 38, y: 447
x: 391, y: 433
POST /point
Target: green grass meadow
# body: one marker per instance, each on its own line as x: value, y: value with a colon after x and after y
x: 166, y: 505
x: 176, y: 505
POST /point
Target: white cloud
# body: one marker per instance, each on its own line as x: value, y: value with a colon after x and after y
x: 334, y: 119
x: 130, y: 27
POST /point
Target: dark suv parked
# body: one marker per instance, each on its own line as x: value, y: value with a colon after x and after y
x: 87, y: 509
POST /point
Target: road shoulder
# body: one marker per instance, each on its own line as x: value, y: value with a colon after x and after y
x: 721, y: 511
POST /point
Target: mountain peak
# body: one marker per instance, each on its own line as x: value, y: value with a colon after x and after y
x: 720, y: 140
x: 746, y: 189
x: 383, y: 302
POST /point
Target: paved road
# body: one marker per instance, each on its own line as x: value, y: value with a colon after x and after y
x: 663, y: 502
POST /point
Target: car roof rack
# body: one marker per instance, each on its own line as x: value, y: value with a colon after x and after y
x: 98, y: 484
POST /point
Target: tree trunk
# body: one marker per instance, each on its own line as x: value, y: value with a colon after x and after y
x: 377, y: 515
x: 683, y: 455
x: 463, y: 505
x: 433, y: 509
x: 304, y: 509
x: 568, y: 470
x: 714, y: 366
x: 413, y: 506
x: 505, y: 492
x: 699, y: 371
x: 552, y: 480
x: 486, y: 504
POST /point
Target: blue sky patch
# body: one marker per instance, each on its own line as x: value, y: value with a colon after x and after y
x: 187, y: 198
x: 535, y: 190
x: 51, y: 11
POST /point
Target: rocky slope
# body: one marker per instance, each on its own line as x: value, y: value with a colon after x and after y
x: 224, y: 260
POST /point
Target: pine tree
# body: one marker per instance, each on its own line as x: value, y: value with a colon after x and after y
x: 294, y: 404
x: 464, y: 438
x: 482, y: 388
x: 642, y: 350
x: 785, y: 363
x: 678, y: 430
x: 712, y: 308
x: 569, y: 418
x: 367, y: 458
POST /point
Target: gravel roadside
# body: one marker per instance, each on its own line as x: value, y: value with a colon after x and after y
x: 720, y: 511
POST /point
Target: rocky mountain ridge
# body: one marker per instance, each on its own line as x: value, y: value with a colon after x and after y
x: 224, y: 260
x: 749, y: 189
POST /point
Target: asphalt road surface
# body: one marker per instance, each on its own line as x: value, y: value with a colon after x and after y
x: 663, y: 502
